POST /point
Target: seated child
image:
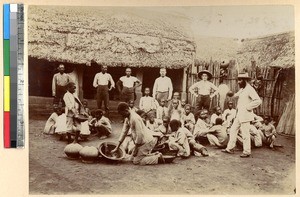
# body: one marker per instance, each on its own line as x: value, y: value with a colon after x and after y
x: 174, y: 111
x: 162, y: 110
x: 85, y: 106
x: 131, y: 105
x: 101, y: 124
x: 217, y: 114
x: 183, y: 104
x: 85, y: 129
x: 217, y: 135
x: 188, y: 119
x: 152, y: 123
x: 201, y: 126
x: 147, y: 103
x: 49, y: 126
x: 61, y: 123
x: 269, y: 132
x: 178, y: 140
x: 228, y: 115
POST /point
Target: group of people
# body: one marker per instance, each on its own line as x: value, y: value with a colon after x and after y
x: 163, y: 118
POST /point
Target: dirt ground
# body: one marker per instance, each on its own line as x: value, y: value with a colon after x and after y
x: 51, y: 172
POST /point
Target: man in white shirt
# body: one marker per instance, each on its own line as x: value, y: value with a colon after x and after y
x: 202, y: 90
x: 127, y: 84
x: 59, y: 85
x: 248, y: 100
x: 163, y: 87
x: 101, y: 81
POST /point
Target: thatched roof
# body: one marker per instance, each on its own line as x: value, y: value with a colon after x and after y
x: 273, y: 50
x: 109, y: 36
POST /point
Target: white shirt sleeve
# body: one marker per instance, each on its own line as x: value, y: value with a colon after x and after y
x: 170, y: 89
x: 154, y: 88
x: 95, y: 83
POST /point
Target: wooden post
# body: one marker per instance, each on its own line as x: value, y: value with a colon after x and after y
x: 80, y: 81
x: 138, y: 90
x: 184, y: 84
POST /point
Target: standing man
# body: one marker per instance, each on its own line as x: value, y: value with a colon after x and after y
x: 163, y: 87
x: 247, y: 101
x: 129, y: 83
x: 142, y: 137
x: 202, y: 90
x: 101, y: 82
x: 59, y: 85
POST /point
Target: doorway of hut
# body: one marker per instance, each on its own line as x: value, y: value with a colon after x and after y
x: 150, y: 74
x: 41, y: 73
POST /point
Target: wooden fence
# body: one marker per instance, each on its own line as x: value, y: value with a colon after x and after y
x: 270, y: 88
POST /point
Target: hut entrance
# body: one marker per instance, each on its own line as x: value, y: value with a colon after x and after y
x: 41, y: 73
x: 150, y: 74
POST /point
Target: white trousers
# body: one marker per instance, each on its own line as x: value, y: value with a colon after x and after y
x: 244, y: 127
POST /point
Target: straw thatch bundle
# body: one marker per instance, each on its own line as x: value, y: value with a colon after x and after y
x: 274, y: 50
x: 109, y: 36
x: 286, y: 124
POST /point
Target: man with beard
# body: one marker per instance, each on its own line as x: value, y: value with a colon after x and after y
x: 248, y: 99
x: 101, y: 82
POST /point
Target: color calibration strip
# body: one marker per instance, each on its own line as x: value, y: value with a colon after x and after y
x: 13, y: 52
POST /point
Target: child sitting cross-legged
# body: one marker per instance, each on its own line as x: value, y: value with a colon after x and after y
x: 178, y: 140
x: 217, y: 135
x: 152, y: 123
x: 188, y: 118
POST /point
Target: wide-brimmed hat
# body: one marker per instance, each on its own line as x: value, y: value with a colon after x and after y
x: 209, y: 75
x: 243, y: 76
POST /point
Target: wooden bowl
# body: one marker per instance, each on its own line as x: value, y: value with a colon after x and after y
x: 105, y: 149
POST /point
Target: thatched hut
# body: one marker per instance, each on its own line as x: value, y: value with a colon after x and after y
x: 271, y: 58
x: 85, y: 37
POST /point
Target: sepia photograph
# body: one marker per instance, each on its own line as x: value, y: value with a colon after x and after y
x: 161, y: 100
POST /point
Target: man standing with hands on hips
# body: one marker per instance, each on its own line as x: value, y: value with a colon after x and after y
x: 163, y: 88
x: 204, y: 88
x: 101, y: 82
x: 127, y: 84
x: 248, y: 99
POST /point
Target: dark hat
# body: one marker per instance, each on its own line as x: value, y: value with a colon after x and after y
x: 244, y: 76
x: 209, y: 75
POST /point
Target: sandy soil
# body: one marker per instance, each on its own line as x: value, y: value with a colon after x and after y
x: 51, y: 172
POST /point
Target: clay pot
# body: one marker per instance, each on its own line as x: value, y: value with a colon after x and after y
x: 72, y: 150
x: 89, y: 154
